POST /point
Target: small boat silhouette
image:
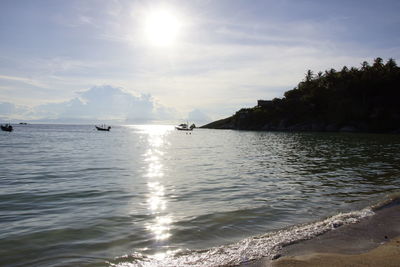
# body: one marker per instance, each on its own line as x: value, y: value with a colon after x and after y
x: 7, y: 127
x: 103, y: 128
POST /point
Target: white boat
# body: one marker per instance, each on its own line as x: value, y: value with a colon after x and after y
x: 185, y: 127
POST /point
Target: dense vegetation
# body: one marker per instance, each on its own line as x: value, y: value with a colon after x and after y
x: 364, y: 99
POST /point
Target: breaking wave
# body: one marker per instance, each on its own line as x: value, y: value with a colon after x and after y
x: 252, y: 248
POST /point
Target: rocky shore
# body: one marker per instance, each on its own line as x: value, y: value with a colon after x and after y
x: 233, y: 123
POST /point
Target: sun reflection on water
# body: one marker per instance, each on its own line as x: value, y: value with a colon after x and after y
x: 157, y: 202
x: 161, y: 227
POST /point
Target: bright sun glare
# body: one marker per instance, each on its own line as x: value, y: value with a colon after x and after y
x: 162, y: 27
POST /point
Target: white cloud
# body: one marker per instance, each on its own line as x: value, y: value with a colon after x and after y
x: 24, y: 80
x: 9, y: 111
x: 199, y: 117
x: 100, y: 103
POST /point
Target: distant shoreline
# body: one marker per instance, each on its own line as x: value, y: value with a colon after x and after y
x: 345, y: 129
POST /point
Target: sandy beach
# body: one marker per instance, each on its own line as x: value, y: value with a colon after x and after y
x: 374, y: 241
x: 387, y: 254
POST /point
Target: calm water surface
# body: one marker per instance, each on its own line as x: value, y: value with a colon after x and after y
x: 70, y: 195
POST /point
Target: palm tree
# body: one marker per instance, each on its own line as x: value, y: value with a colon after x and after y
x: 365, y: 65
x: 309, y: 75
x: 391, y: 64
x: 378, y: 63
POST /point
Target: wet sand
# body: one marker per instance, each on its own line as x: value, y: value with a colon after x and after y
x: 374, y: 241
x: 385, y: 255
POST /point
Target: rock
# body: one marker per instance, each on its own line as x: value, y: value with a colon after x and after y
x: 331, y: 128
x: 276, y: 256
x: 299, y: 127
x: 348, y: 129
x: 318, y: 126
x: 266, y: 127
x: 282, y: 125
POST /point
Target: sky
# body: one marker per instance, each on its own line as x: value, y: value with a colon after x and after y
x: 153, y: 61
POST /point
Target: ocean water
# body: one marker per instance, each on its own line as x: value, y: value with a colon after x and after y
x: 153, y: 196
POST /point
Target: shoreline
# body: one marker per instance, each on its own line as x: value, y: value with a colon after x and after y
x: 387, y: 254
x: 374, y: 241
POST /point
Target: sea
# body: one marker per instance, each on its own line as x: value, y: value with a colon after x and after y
x: 149, y: 195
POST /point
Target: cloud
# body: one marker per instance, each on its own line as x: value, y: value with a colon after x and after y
x: 198, y: 116
x: 7, y: 108
x: 99, y: 103
x: 27, y: 81
x: 10, y: 111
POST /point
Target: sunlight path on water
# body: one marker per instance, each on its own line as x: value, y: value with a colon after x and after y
x: 157, y: 202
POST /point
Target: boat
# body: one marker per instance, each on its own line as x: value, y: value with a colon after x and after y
x: 103, y: 128
x: 23, y: 123
x: 7, y: 127
x: 185, y: 127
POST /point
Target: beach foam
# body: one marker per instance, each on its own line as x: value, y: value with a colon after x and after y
x: 267, y: 245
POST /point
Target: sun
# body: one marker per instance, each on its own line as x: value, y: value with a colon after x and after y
x: 162, y: 27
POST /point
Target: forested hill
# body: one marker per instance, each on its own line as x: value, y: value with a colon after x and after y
x: 365, y: 99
